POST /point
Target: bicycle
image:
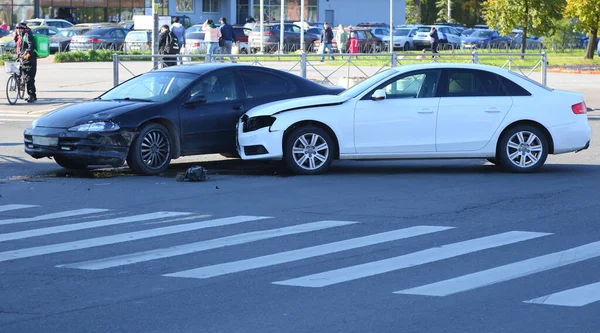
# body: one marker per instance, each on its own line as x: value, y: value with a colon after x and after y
x: 15, y: 86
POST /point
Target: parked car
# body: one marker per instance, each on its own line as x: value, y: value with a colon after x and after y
x: 270, y: 38
x: 467, y: 32
x: 403, y: 38
x: 446, y: 34
x: 162, y: 115
x: 194, y: 40
x: 483, y: 39
x: 7, y: 43
x: 61, y: 41
x: 185, y: 20
x: 241, y: 33
x: 100, y: 39
x: 126, y: 24
x: 91, y: 26
x: 49, y: 22
x: 367, y: 42
x: 138, y: 41
x: 516, y: 39
x: 448, y: 111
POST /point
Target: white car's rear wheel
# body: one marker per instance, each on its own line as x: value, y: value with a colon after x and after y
x: 523, y: 149
x: 309, y: 150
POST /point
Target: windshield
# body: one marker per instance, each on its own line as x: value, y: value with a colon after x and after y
x: 141, y: 36
x: 424, y: 29
x: 402, y: 32
x: 152, y: 87
x: 97, y: 32
x: 368, y: 83
x: 482, y: 33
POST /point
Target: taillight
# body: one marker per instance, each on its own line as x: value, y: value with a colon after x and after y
x: 93, y: 40
x: 196, y: 44
x: 269, y: 33
x: 579, y: 108
x: 147, y: 43
x: 72, y: 40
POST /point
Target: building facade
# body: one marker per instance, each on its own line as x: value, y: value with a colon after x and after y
x: 347, y: 12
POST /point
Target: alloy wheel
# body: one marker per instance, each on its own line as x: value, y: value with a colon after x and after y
x: 310, y: 151
x: 155, y: 150
x: 524, y: 149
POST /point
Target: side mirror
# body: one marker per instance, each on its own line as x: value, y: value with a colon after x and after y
x: 378, y: 95
x: 195, y: 100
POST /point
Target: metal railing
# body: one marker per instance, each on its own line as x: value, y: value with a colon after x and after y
x: 310, y: 66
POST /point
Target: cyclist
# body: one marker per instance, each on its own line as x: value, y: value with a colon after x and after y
x: 25, y: 48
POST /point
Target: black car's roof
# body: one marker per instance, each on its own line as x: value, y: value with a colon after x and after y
x: 205, y: 68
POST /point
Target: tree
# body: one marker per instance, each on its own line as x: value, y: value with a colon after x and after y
x: 442, y: 7
x: 587, y: 13
x: 533, y: 16
x: 413, y: 12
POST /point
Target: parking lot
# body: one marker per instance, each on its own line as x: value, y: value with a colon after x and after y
x: 395, y: 246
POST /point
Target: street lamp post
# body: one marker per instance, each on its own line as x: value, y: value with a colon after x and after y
x: 391, y: 26
x: 262, y: 25
x: 302, y: 46
x: 281, y: 27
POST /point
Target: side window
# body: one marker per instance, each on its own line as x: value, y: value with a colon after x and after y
x: 42, y: 31
x: 513, y: 89
x: 368, y: 34
x: 261, y: 84
x: 217, y: 87
x: 378, y: 32
x: 296, y: 29
x: 117, y: 34
x: 465, y: 83
x: 454, y: 31
x: 52, y: 32
x: 414, y: 85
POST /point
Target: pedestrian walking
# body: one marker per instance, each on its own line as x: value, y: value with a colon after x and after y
x: 341, y: 38
x: 211, y: 37
x: 4, y: 26
x: 326, y: 41
x: 228, y: 35
x: 435, y: 39
x: 352, y: 45
x: 167, y: 45
x: 179, y: 31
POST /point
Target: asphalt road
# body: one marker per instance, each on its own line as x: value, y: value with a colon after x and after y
x: 408, y: 246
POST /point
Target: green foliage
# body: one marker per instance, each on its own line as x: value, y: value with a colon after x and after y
x: 534, y: 15
x: 442, y: 7
x: 87, y: 56
x: 587, y: 13
x: 413, y: 12
x: 563, y: 35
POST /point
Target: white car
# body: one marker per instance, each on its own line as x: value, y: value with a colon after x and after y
x: 50, y: 22
x: 446, y: 35
x: 403, y: 38
x: 424, y: 111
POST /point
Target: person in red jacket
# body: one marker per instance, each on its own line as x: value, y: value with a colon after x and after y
x: 352, y: 45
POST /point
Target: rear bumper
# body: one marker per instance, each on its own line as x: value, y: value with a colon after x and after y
x: 109, y: 148
x: 571, y: 138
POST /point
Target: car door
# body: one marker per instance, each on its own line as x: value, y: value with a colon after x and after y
x: 472, y: 107
x: 209, y: 127
x: 403, y: 122
x: 117, y: 37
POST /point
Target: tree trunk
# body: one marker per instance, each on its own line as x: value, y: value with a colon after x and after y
x: 591, y: 50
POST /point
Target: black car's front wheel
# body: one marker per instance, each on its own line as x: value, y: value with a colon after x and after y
x: 150, y: 152
x: 68, y: 163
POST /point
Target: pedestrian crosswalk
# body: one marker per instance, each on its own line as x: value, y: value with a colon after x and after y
x: 17, y: 116
x: 257, y: 230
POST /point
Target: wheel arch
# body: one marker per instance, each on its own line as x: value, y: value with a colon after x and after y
x: 176, y: 143
x: 315, y: 123
x: 530, y: 123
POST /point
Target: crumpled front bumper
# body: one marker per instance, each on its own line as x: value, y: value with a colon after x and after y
x: 90, y: 148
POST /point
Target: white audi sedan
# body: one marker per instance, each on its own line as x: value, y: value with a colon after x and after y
x: 426, y: 111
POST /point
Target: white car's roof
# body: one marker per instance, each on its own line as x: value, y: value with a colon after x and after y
x: 406, y: 68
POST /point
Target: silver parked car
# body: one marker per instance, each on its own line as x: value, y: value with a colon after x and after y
x: 138, y: 41
x: 100, y: 39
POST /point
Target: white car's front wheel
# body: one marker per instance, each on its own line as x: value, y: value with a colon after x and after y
x: 309, y: 150
x: 523, y: 149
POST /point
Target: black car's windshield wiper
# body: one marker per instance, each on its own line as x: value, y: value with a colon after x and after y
x: 133, y: 99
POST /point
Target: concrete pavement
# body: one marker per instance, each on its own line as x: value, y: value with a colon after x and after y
x: 409, y: 246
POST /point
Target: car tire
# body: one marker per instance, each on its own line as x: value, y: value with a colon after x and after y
x: 302, y: 148
x: 406, y: 47
x: 151, y: 151
x: 523, y: 149
x: 68, y: 163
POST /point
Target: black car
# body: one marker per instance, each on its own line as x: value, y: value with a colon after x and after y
x: 61, y: 41
x: 162, y: 115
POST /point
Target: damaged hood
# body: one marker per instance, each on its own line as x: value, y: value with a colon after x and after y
x: 296, y: 103
x: 80, y: 113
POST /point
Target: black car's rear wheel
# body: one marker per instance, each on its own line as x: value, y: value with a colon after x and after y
x: 150, y: 152
x: 68, y: 163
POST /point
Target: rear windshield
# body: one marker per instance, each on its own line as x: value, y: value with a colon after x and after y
x: 424, y: 29
x: 97, y: 32
x: 194, y: 35
x: 267, y: 28
x: 141, y: 36
x: 402, y: 32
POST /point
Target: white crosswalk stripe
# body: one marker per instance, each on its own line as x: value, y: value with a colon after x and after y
x: 507, y: 272
x: 410, y: 260
x: 579, y: 296
x: 122, y: 238
x: 6, y: 208
x: 87, y: 225
x: 69, y: 213
x: 305, y: 253
x: 238, y: 239
x: 17, y: 116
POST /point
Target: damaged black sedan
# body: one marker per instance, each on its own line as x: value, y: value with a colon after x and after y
x: 162, y: 115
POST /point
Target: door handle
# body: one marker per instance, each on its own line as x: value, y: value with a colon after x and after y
x: 238, y: 107
x: 425, y: 111
x: 492, y: 110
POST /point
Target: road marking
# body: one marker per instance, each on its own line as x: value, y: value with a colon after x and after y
x: 579, y: 296
x: 16, y: 119
x: 122, y: 238
x: 87, y: 225
x: 410, y: 260
x: 68, y: 213
x: 305, y: 253
x: 507, y: 272
x: 211, y: 244
x: 18, y: 115
x: 6, y: 208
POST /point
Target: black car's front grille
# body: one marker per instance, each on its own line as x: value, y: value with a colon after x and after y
x: 255, y: 150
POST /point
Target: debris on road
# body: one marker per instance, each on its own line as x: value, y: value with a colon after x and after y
x: 193, y: 174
